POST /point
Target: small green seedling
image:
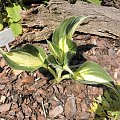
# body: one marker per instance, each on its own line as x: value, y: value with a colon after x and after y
x: 107, y: 106
x: 62, y: 49
x: 10, y: 16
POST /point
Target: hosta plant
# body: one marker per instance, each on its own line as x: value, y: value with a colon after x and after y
x: 62, y: 49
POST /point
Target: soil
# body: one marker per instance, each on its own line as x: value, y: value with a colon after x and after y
x: 34, y: 96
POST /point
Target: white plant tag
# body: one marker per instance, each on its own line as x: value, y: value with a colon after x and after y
x: 6, y: 36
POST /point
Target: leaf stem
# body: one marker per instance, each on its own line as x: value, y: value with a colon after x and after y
x: 59, y: 73
x: 51, y: 71
x: 66, y: 76
x: 66, y: 67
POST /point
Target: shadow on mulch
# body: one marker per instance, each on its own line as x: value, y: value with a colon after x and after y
x: 79, y: 58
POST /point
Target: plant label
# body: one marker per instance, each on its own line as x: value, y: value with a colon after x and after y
x: 6, y: 36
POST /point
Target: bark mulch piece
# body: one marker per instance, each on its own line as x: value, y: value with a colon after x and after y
x: 31, y: 96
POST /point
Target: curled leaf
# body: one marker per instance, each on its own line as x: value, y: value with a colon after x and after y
x: 62, y: 36
x: 92, y: 73
x: 52, y: 61
x: 27, y: 58
x: 55, y: 50
x: 67, y: 28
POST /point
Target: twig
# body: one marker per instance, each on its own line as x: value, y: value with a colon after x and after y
x: 44, y: 111
x: 8, y: 48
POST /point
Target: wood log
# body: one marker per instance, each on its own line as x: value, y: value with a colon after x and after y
x: 103, y: 21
